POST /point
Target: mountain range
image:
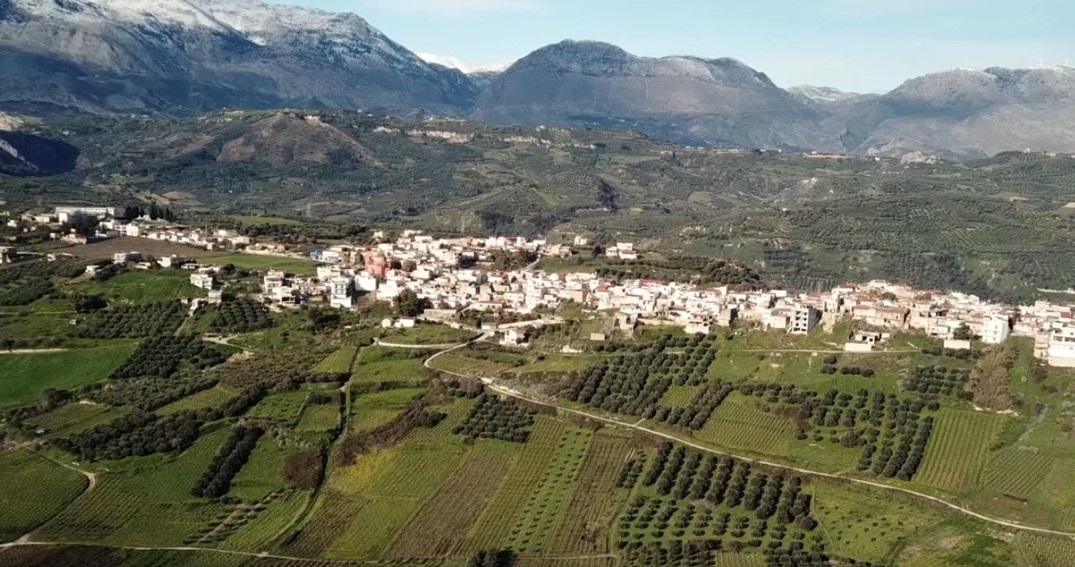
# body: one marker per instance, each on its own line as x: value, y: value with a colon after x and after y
x: 182, y: 57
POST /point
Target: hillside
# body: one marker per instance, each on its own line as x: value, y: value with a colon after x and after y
x: 995, y: 227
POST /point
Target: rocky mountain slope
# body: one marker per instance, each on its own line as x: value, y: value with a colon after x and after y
x: 187, y: 55
x: 24, y: 153
x: 706, y: 101
x: 968, y: 113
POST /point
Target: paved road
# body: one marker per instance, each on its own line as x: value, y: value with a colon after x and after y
x: 420, y: 347
x: 639, y: 427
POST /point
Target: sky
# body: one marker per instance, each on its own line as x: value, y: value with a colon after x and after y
x: 854, y: 45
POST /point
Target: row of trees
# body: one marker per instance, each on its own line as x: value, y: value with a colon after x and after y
x: 137, y: 434
x: 160, y: 357
x: 492, y: 418
x: 240, y: 315
x: 938, y: 380
x: 26, y: 293
x: 228, y: 461
x: 135, y: 321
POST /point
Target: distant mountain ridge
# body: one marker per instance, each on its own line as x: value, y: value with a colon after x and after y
x: 191, y: 55
x: 183, y: 57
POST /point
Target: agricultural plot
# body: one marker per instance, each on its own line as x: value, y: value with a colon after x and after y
x: 338, y: 362
x: 365, y: 505
x: 212, y: 397
x: 284, y: 408
x: 34, y: 489
x: 69, y: 419
x: 262, y: 475
x: 23, y: 377
x: 440, y: 527
x: 956, y: 543
x: 738, y: 425
x: 588, y: 523
x: 134, y: 321
x: 428, y: 334
x: 959, y: 449
x: 146, y: 501
x: 377, y: 364
x: 866, y: 524
x: 495, y: 526
x: 678, y: 396
x: 537, y: 521
x: 261, y: 262
x: 1045, y: 551
x: 142, y: 286
x: 739, y: 560
x: 369, y: 411
x: 319, y: 417
x: 1016, y: 473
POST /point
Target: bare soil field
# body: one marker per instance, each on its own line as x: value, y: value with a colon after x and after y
x: 106, y: 248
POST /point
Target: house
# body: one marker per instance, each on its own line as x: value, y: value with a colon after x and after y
x: 203, y: 280
x: 126, y: 257
x: 172, y: 261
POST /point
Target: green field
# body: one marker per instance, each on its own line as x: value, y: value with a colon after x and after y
x: 369, y: 411
x: 427, y: 334
x: 34, y: 489
x: 378, y: 364
x: 865, y: 524
x: 338, y: 362
x: 141, y: 286
x: 262, y: 262
x: 23, y: 377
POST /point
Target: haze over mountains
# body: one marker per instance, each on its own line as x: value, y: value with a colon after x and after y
x: 188, y: 56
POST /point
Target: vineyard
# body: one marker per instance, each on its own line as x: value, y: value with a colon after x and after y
x: 957, y: 454
x: 34, y: 490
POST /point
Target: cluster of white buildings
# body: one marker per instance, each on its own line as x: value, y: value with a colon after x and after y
x: 456, y: 274
x: 431, y: 268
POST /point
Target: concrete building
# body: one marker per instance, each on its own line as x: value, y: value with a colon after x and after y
x: 995, y: 329
x: 804, y: 319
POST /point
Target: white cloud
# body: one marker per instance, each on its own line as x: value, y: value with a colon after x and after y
x: 460, y: 6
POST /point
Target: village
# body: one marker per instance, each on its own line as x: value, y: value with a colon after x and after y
x: 498, y: 278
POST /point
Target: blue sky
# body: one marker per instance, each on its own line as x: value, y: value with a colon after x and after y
x: 862, y: 45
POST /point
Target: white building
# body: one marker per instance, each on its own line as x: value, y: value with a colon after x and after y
x: 995, y: 329
x: 340, y: 292
x: 1062, y: 348
x: 202, y: 280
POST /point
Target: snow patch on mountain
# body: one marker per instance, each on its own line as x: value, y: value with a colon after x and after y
x: 444, y: 61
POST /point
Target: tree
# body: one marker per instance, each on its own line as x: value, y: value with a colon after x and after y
x: 963, y: 333
x: 608, y: 196
x: 82, y: 303
x: 409, y: 266
x: 408, y: 304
